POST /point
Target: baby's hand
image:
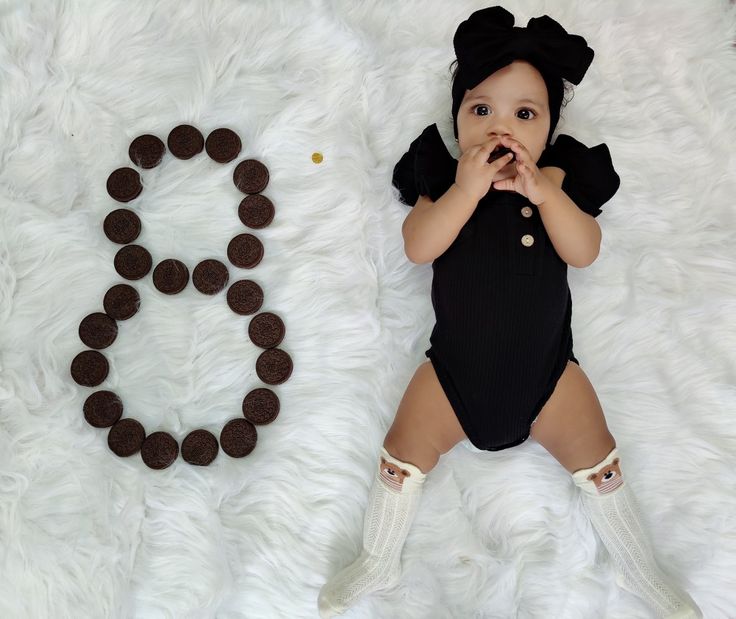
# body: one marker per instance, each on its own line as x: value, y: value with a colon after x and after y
x: 474, y: 174
x: 529, y: 181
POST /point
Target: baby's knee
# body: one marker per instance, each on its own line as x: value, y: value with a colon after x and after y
x: 412, y: 447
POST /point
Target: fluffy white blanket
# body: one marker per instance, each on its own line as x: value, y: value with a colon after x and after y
x: 85, y: 533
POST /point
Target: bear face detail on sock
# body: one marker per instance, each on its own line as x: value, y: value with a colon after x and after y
x: 608, y: 478
x: 393, y: 474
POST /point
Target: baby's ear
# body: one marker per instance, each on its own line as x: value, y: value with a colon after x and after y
x: 555, y: 174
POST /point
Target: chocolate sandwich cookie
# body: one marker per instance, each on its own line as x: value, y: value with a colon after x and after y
x: 89, y: 368
x: 98, y: 330
x: 274, y: 366
x: 256, y: 211
x: 261, y: 406
x: 199, y: 447
x: 238, y: 437
x: 245, y: 251
x: 102, y: 409
x: 126, y: 437
x: 170, y: 276
x: 159, y: 450
x: 133, y: 261
x: 245, y: 297
x: 266, y: 330
x: 210, y: 276
x: 121, y: 302
x: 146, y: 151
x: 250, y: 176
x: 122, y: 226
x: 185, y: 141
x: 500, y: 152
x: 124, y: 184
x: 223, y: 145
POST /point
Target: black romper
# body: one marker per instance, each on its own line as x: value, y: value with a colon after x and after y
x: 502, y: 304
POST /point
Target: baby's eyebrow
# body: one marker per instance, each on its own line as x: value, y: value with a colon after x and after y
x: 524, y: 100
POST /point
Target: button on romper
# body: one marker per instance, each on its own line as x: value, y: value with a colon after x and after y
x: 502, y: 304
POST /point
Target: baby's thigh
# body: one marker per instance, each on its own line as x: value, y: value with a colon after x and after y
x: 425, y: 414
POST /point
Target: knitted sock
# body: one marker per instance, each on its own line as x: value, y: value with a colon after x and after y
x: 614, y: 512
x: 392, y: 503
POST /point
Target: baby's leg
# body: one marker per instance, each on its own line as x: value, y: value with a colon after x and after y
x: 425, y: 427
x: 572, y: 427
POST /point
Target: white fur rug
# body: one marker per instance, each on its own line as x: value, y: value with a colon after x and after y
x: 85, y: 533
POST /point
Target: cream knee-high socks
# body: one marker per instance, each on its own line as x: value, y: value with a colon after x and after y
x: 614, y: 513
x: 392, y: 503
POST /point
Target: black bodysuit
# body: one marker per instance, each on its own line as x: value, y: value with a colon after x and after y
x: 502, y: 304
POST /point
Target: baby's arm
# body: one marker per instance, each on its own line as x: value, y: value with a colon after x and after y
x: 555, y: 174
x: 431, y: 227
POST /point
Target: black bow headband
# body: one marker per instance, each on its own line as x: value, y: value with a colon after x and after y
x: 488, y: 41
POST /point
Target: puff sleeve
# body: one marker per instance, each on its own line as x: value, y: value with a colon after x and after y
x: 403, y: 176
x: 590, y: 178
x: 427, y: 168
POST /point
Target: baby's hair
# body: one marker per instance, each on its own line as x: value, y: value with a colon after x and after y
x: 567, y: 86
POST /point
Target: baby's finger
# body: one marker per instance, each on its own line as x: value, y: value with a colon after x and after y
x: 487, y: 147
x: 518, y: 149
x: 502, y: 160
x: 481, y: 150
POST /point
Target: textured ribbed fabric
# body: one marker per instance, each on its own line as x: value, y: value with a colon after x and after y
x: 392, y: 504
x: 614, y: 513
x: 502, y: 304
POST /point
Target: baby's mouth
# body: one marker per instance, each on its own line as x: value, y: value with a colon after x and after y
x: 500, y: 151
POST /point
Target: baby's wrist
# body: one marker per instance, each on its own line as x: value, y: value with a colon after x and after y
x: 469, y: 197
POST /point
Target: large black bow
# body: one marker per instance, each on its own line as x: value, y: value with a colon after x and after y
x: 488, y: 41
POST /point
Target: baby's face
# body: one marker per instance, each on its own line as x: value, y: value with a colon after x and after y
x: 494, y: 108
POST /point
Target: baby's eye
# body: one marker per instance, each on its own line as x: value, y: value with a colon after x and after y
x: 526, y: 109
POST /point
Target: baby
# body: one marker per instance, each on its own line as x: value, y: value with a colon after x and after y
x: 500, y: 231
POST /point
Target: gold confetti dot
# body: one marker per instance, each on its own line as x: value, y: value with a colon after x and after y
x: 317, y: 157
